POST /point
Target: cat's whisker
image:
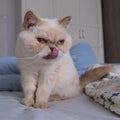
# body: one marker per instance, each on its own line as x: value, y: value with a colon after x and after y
x: 25, y: 58
x: 33, y: 59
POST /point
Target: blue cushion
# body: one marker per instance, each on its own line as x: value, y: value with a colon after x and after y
x: 82, y: 54
x: 10, y: 82
x: 9, y: 74
x: 8, y: 65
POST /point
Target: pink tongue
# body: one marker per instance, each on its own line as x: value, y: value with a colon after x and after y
x: 53, y: 54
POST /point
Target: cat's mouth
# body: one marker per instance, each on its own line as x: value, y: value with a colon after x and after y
x: 52, y: 55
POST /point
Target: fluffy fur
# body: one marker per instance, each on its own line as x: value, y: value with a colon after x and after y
x: 47, y: 70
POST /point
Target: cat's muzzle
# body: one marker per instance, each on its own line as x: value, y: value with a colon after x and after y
x: 53, y: 54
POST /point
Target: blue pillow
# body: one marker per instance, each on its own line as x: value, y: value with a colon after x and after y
x: 82, y: 54
x: 10, y: 82
x: 8, y: 65
x: 9, y: 74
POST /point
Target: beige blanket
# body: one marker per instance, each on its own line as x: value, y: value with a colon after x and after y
x: 106, y: 92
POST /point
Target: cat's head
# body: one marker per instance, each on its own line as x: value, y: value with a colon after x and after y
x: 46, y: 37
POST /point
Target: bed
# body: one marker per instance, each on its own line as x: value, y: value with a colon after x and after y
x: 79, y: 108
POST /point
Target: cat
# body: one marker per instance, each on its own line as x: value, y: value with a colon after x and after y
x: 47, y: 69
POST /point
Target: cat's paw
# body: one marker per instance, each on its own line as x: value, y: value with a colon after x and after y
x: 27, y: 101
x: 42, y: 105
x: 55, y: 98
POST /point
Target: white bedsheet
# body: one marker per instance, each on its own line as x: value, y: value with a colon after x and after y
x: 80, y: 108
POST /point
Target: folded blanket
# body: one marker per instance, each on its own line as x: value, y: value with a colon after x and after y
x: 106, y: 92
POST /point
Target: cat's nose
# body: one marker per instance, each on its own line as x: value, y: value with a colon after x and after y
x: 52, y: 48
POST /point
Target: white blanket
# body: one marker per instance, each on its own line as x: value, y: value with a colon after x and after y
x: 106, y: 92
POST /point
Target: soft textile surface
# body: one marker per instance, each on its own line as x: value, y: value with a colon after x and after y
x: 9, y: 75
x: 10, y: 82
x: 83, y: 56
x: 79, y: 108
x: 8, y: 65
x: 81, y: 53
x: 106, y: 92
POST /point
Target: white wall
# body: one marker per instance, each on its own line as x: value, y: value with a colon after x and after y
x: 7, y: 27
x: 17, y: 17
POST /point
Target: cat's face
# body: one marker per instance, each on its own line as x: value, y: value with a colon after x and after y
x: 46, y: 37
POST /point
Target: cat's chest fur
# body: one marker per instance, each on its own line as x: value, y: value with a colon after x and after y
x: 61, y: 73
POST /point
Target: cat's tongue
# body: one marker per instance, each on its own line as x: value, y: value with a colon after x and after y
x: 53, y: 54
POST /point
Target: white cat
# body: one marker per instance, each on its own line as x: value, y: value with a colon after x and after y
x: 47, y: 70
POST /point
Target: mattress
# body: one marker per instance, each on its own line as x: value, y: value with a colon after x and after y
x: 79, y: 108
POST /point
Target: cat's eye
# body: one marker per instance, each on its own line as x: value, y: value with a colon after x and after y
x: 42, y: 40
x: 61, y: 42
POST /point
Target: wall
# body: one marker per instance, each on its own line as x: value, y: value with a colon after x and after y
x: 7, y: 27
x: 17, y: 17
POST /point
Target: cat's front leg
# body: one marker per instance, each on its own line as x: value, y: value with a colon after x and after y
x: 29, y: 88
x: 43, y: 93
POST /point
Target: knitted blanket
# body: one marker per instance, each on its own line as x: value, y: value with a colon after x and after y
x: 106, y: 92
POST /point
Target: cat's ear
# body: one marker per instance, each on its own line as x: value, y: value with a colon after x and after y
x: 30, y: 20
x: 65, y: 21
